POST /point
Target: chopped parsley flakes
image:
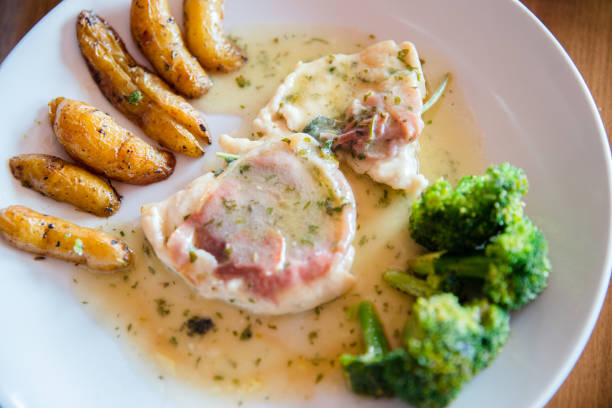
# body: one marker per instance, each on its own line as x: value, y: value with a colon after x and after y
x: 246, y: 334
x: 78, y: 247
x: 134, y: 98
x: 242, y: 81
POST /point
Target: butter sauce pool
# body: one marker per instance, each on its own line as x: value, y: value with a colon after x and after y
x: 250, y: 357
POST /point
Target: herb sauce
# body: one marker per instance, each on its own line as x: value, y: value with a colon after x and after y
x: 245, y: 356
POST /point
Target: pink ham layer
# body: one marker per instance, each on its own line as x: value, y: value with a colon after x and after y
x: 394, y: 125
x: 264, y: 277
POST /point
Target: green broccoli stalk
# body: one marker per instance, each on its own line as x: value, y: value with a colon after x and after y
x: 464, y: 218
x: 513, y: 268
x: 432, y: 283
x: 366, y: 371
x: 446, y: 345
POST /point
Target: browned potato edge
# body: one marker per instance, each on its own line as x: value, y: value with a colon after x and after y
x: 55, y: 178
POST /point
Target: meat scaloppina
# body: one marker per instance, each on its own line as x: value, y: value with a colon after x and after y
x: 374, y: 99
x: 272, y: 234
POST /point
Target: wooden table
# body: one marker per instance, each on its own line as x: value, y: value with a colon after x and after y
x: 584, y: 27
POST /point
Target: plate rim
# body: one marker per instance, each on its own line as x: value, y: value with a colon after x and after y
x: 604, y: 281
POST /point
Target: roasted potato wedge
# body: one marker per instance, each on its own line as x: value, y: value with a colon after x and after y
x: 42, y: 234
x: 123, y: 81
x: 62, y: 181
x: 205, y: 39
x: 160, y: 40
x: 93, y: 138
x: 160, y: 93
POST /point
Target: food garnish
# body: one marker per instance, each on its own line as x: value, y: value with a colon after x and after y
x: 436, y: 95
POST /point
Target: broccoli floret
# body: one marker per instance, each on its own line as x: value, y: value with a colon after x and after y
x: 446, y: 345
x: 495, y: 322
x: 366, y: 371
x: 513, y: 268
x: 466, y: 217
x: 520, y: 266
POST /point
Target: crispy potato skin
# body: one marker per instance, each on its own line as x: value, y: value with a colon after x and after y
x: 205, y: 39
x: 160, y: 40
x: 163, y: 96
x: 93, y: 138
x: 62, y: 181
x: 119, y: 76
x: 42, y: 234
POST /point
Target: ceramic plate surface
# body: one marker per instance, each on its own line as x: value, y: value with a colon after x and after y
x: 528, y: 100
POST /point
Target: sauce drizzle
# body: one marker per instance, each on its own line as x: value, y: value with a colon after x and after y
x: 272, y: 357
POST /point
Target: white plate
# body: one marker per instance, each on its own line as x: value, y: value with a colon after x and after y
x: 526, y: 95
